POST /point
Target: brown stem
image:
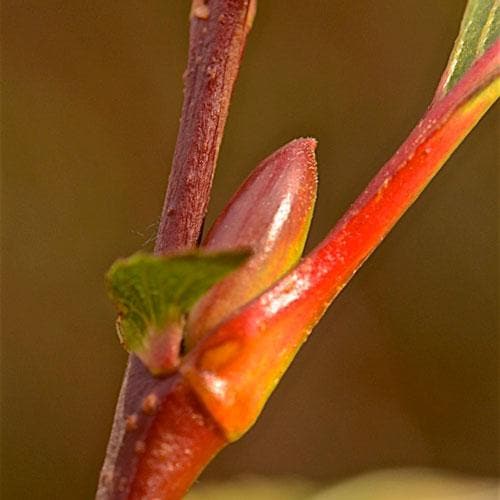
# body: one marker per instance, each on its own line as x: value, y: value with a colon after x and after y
x: 161, y: 437
x: 217, y: 38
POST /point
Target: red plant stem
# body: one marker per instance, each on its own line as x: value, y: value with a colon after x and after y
x: 235, y: 368
x: 180, y: 440
x: 162, y: 435
x: 217, y: 37
x: 161, y: 447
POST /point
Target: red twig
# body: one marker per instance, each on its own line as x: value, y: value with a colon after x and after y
x: 234, y: 387
x: 163, y: 435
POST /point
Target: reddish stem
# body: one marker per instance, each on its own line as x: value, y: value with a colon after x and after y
x: 180, y: 440
x: 237, y: 365
x: 217, y: 38
x: 162, y: 435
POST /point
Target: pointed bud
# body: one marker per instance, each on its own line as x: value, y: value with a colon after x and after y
x: 271, y: 214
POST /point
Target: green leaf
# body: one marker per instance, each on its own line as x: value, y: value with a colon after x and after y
x: 479, y: 29
x: 152, y: 293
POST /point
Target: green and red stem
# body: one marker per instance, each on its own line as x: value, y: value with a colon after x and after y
x: 235, y: 368
x: 167, y: 430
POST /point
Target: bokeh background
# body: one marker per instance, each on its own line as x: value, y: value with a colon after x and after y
x: 402, y: 371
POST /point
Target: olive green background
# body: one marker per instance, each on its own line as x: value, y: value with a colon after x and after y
x: 403, y: 368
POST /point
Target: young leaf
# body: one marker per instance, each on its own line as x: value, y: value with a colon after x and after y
x: 271, y: 214
x: 480, y: 27
x: 152, y: 295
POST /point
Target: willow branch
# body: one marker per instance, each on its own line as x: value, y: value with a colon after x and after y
x: 217, y: 37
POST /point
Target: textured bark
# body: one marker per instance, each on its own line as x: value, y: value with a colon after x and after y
x: 217, y: 38
x: 146, y: 404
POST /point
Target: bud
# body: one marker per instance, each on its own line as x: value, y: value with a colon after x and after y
x: 270, y: 214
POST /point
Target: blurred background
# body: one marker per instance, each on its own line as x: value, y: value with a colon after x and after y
x: 402, y: 371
